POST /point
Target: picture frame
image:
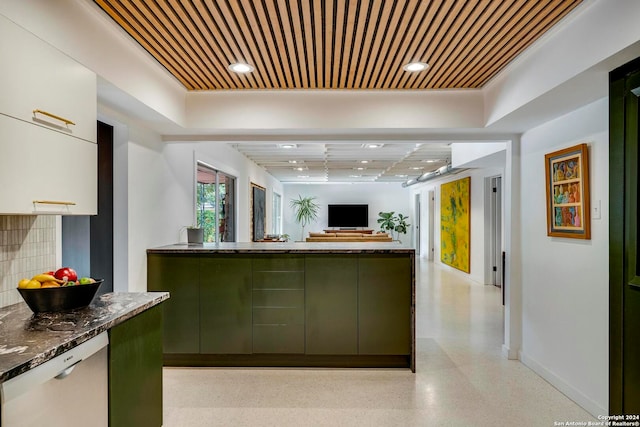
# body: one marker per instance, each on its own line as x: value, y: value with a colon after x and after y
x: 567, y: 187
x: 455, y: 224
x: 258, y: 212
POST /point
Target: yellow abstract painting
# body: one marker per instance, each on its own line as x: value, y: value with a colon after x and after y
x: 455, y: 224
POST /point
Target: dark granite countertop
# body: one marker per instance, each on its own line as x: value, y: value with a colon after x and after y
x: 28, y: 340
x: 285, y: 247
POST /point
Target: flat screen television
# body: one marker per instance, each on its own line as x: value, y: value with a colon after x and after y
x: 348, y: 216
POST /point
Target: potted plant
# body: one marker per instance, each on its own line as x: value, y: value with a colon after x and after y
x: 389, y: 222
x: 305, y: 211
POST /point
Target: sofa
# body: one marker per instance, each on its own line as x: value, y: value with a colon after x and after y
x: 349, y: 237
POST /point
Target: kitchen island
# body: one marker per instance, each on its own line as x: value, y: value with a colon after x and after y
x: 133, y: 324
x: 287, y: 304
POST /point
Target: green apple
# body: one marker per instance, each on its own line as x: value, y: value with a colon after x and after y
x: 86, y: 280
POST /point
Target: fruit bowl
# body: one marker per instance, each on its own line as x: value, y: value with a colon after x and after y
x: 64, y: 298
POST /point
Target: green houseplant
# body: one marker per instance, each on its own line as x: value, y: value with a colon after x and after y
x: 305, y: 211
x: 389, y: 222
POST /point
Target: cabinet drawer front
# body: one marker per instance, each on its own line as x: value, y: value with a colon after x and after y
x: 278, y: 280
x: 278, y: 316
x: 278, y: 298
x: 34, y: 75
x: 40, y: 165
x: 278, y: 339
x: 287, y: 262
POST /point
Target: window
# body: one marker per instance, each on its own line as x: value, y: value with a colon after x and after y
x: 276, y: 214
x: 215, y: 204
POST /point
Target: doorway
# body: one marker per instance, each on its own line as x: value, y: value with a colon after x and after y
x: 493, y: 245
x: 416, y: 232
x: 624, y: 250
x: 432, y: 214
x: 87, y: 241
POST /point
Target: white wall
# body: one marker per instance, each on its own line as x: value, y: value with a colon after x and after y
x: 154, y: 186
x: 477, y: 217
x: 379, y: 196
x: 181, y: 158
x: 565, y: 281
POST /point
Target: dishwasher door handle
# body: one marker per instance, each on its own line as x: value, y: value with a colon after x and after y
x: 66, y: 372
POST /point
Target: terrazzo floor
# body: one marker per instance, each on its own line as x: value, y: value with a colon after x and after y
x: 461, y: 379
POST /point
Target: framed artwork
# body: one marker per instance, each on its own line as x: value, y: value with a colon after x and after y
x: 455, y: 224
x: 258, y: 212
x: 567, y: 178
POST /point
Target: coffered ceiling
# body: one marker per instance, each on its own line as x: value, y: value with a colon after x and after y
x: 337, y: 44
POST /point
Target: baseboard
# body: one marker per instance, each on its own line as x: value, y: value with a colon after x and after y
x: 565, y: 388
x: 507, y: 353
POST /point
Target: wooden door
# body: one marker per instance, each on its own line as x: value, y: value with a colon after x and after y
x: 624, y: 251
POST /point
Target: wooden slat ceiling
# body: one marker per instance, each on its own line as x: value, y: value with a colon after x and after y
x: 335, y: 44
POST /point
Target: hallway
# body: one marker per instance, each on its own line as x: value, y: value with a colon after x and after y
x: 461, y: 377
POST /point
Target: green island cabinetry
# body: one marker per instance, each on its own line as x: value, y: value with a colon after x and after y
x: 272, y: 308
x: 135, y: 371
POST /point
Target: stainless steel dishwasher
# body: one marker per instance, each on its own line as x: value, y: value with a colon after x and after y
x: 68, y: 390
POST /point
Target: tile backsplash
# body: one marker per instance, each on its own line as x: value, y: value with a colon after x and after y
x: 27, y: 248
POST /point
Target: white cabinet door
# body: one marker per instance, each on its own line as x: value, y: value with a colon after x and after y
x: 36, y: 76
x: 46, y: 172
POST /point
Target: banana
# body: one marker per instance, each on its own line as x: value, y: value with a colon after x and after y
x: 46, y: 278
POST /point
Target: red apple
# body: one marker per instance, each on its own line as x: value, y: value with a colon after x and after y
x: 67, y: 274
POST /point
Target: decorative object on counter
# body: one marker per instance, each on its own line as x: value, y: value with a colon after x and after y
x: 394, y: 224
x: 568, y: 207
x: 195, y: 235
x: 455, y: 224
x: 305, y: 211
x: 284, y: 237
x: 61, y: 298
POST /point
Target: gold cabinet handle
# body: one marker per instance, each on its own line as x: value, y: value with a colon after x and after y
x: 53, y: 202
x: 46, y: 113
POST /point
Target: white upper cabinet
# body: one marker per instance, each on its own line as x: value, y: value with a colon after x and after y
x: 48, y: 126
x: 44, y: 172
x: 34, y: 76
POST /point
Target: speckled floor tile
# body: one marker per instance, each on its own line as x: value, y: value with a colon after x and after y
x: 461, y: 378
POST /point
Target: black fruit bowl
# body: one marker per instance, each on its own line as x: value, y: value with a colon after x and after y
x: 64, y: 298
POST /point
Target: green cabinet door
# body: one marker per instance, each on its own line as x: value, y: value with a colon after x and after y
x: 225, y: 304
x: 331, y: 302
x: 278, y: 303
x: 179, y: 275
x: 384, y: 304
x: 135, y: 371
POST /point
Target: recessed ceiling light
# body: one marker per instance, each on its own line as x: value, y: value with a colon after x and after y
x: 364, y: 161
x: 240, y: 67
x: 417, y: 168
x: 373, y: 145
x: 414, y: 67
x: 359, y: 168
x: 293, y: 161
x: 287, y: 145
x: 431, y: 161
x: 299, y: 169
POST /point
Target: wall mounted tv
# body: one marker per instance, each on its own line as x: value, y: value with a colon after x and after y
x: 348, y: 216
